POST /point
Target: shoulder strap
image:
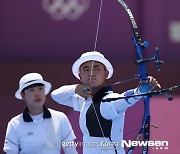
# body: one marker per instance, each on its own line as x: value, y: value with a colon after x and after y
x: 54, y: 132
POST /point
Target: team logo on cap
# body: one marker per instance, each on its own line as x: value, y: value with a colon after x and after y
x: 65, y: 9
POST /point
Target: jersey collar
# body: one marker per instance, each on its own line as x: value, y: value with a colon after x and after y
x: 27, y: 117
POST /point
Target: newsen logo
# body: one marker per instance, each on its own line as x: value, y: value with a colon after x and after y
x: 156, y: 144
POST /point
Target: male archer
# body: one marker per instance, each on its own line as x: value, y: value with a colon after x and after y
x: 101, y: 123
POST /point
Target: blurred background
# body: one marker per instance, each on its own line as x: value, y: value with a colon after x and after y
x: 47, y: 36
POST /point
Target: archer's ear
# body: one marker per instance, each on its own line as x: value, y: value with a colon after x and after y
x: 79, y: 76
x: 23, y: 95
x: 106, y: 73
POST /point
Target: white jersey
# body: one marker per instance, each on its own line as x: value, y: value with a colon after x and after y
x: 39, y: 136
x: 114, y: 111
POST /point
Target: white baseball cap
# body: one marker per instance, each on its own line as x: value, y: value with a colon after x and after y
x: 30, y: 79
x: 91, y: 56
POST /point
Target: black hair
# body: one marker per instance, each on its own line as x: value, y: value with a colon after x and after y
x: 32, y: 86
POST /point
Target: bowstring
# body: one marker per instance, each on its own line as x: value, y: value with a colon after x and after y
x: 91, y: 73
x: 96, y: 36
x: 98, y: 23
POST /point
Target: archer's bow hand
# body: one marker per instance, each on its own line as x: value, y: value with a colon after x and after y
x: 148, y: 85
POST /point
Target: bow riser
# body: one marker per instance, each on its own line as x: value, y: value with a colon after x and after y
x: 143, y: 75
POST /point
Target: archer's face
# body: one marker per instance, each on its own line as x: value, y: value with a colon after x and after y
x: 93, y: 74
x: 34, y: 96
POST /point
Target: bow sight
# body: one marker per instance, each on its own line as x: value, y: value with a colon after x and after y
x: 155, y: 58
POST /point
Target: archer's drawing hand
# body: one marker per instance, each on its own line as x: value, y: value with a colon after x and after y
x: 83, y: 90
x: 149, y: 85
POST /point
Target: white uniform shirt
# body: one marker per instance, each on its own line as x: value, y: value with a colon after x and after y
x: 36, y: 137
x: 114, y: 111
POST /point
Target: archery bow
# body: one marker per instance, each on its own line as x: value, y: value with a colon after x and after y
x: 143, y: 75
